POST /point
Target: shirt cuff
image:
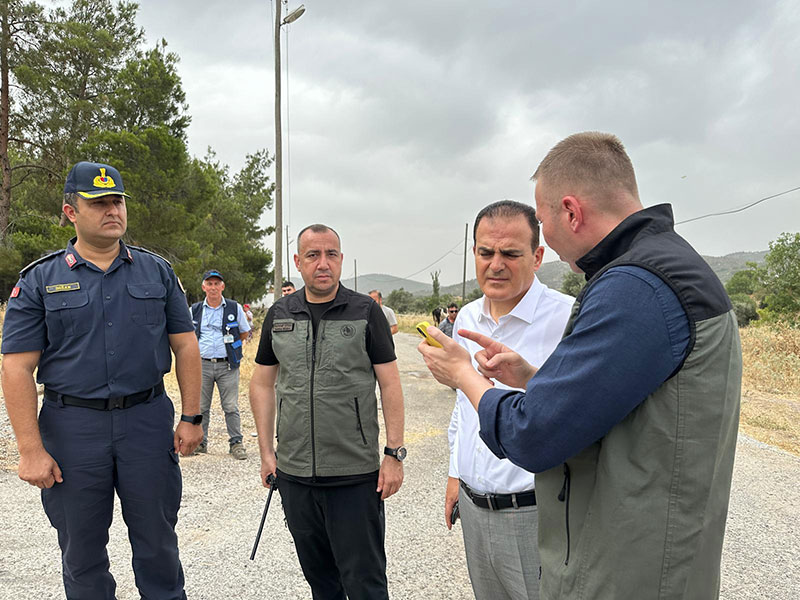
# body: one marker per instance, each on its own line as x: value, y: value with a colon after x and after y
x: 488, y: 409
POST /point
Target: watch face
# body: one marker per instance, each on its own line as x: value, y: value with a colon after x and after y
x: 401, y: 453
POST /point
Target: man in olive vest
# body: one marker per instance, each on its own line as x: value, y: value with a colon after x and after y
x: 631, y: 424
x: 325, y: 346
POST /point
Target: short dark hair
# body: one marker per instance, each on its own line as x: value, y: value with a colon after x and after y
x: 72, y: 200
x: 287, y: 283
x: 507, y: 209
x: 452, y: 305
x: 317, y: 228
x: 376, y: 292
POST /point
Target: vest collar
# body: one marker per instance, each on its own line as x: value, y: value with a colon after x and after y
x: 648, y: 221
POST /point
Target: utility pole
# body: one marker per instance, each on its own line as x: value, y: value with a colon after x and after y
x: 278, y: 155
x: 464, y: 276
x: 355, y: 275
x: 288, y: 270
x: 292, y: 16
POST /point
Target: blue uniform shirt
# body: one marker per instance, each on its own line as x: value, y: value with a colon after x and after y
x: 101, y: 334
x: 631, y: 335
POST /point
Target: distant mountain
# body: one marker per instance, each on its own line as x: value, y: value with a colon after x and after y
x: 551, y: 274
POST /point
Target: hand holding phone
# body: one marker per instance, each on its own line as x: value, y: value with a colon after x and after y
x: 422, y: 329
x: 454, y: 514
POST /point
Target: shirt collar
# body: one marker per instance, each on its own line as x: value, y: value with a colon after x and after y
x: 205, y: 303
x: 73, y: 259
x: 525, y: 308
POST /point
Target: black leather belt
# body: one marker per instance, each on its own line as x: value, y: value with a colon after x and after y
x: 106, y: 403
x: 500, y: 501
x: 216, y: 360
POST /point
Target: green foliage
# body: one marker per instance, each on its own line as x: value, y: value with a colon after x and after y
x: 573, y: 283
x: 745, y: 308
x: 780, y: 277
x: 401, y: 301
x: 744, y: 282
x: 85, y: 90
x: 473, y: 295
x: 436, y: 287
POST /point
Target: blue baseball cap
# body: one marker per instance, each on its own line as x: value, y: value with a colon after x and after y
x: 93, y: 180
x: 212, y: 273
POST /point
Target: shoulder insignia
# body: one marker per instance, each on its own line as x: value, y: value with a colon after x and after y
x: 150, y: 252
x: 44, y: 258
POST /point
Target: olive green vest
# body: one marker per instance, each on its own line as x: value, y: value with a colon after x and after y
x: 640, y: 514
x: 327, y: 422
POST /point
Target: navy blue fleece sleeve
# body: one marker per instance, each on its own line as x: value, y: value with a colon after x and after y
x: 630, y: 335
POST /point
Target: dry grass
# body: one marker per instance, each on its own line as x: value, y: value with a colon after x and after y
x: 771, y: 386
x: 406, y: 323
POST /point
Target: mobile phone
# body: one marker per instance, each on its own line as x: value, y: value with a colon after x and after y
x: 454, y: 514
x: 422, y: 329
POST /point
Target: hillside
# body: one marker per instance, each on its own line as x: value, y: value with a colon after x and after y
x: 551, y: 274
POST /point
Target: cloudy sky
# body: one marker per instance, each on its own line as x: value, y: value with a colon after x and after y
x: 406, y: 118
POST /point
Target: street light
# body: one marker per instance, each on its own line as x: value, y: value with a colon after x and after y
x: 290, y: 18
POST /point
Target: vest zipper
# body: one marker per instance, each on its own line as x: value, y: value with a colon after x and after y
x: 562, y: 496
x: 358, y: 419
x: 311, y: 403
x: 278, y: 420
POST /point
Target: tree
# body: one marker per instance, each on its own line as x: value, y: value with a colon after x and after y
x: 19, y: 24
x: 744, y: 282
x: 780, y: 276
x: 473, y: 295
x: 573, y: 283
x: 745, y: 309
x: 401, y: 301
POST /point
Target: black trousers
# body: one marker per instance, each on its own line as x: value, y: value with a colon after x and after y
x: 339, y: 535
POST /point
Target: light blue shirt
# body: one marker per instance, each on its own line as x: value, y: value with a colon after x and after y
x: 212, y: 344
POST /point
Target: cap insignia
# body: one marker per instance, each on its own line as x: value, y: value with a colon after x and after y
x: 103, y: 180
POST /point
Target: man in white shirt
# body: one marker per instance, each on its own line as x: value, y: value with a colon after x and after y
x: 496, y: 499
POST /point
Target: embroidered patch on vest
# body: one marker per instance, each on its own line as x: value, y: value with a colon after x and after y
x: 279, y: 327
x: 63, y: 287
x: 348, y: 331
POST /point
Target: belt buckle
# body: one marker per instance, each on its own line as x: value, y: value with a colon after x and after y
x: 116, y: 402
x: 514, y: 501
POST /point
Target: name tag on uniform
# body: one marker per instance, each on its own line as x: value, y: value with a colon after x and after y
x: 227, y: 339
x: 278, y: 327
x: 63, y: 287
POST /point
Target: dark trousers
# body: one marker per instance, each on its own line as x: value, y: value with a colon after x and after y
x: 129, y: 451
x: 338, y: 533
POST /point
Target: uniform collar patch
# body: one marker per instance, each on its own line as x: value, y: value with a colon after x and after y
x: 71, y: 260
x: 15, y: 292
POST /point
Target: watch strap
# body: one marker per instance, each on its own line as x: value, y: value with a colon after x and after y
x: 193, y: 419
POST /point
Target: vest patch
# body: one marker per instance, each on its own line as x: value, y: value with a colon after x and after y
x: 348, y: 331
x: 63, y: 287
x: 282, y: 327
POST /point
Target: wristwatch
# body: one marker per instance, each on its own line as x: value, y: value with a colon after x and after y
x: 193, y: 419
x: 399, y: 453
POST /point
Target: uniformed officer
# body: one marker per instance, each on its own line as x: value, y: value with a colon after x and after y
x: 99, y: 319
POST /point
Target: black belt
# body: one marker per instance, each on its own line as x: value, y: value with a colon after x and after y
x: 500, y: 501
x: 106, y: 403
x: 216, y: 360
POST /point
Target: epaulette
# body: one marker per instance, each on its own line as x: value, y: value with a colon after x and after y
x: 146, y: 251
x: 41, y: 260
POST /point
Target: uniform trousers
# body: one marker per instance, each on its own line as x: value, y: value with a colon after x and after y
x: 128, y: 450
x: 502, y: 550
x: 227, y: 381
x: 338, y: 533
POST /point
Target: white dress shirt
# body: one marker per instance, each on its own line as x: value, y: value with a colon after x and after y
x: 533, y: 329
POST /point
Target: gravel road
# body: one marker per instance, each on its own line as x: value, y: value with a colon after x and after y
x: 222, y: 504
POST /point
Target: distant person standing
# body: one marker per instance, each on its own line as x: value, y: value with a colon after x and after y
x: 96, y: 322
x: 391, y: 318
x: 447, y: 325
x: 221, y: 326
x: 287, y: 288
x: 249, y: 314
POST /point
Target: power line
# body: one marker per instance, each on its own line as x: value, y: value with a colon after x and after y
x: 436, y: 261
x: 736, y: 210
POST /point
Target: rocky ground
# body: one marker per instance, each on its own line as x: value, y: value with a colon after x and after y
x: 223, y: 501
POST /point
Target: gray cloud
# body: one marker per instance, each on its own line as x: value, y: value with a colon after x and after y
x: 407, y: 118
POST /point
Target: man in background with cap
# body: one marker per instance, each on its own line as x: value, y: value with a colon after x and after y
x: 99, y: 319
x: 221, y: 326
